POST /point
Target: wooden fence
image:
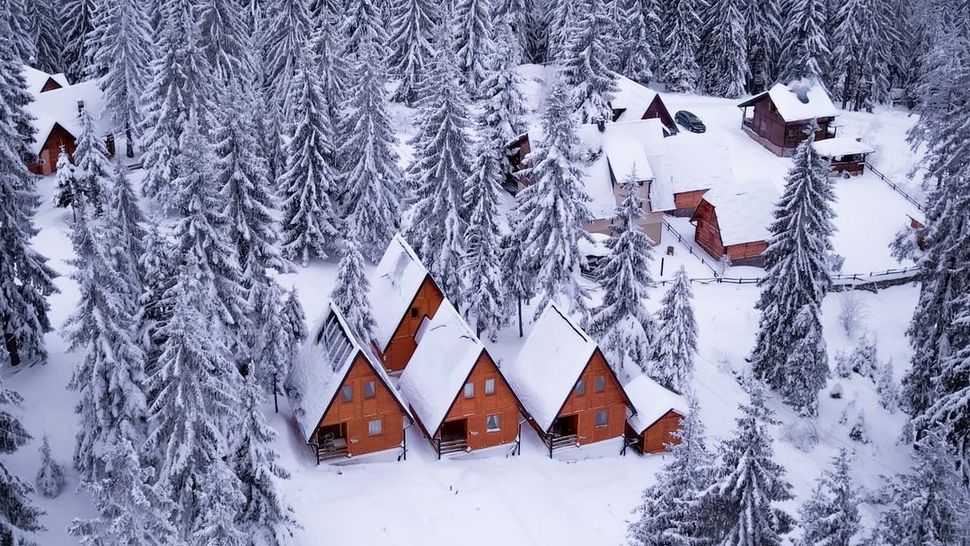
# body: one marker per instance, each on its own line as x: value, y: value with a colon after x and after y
x: 896, y: 187
x: 841, y: 281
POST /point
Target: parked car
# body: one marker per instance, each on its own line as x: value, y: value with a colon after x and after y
x: 690, y: 121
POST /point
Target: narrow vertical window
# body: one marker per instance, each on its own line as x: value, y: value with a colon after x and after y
x: 370, y: 389
x: 600, y: 384
x: 347, y: 393
x: 602, y: 418
x: 489, y: 387
x: 469, y: 390
x: 580, y: 387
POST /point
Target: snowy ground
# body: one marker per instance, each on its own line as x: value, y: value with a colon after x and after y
x: 530, y: 499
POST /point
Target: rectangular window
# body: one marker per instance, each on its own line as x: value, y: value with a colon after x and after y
x: 469, y: 390
x: 489, y: 387
x: 375, y: 427
x: 602, y: 418
x: 580, y: 387
x: 347, y: 393
x: 370, y: 389
x: 493, y: 423
x: 600, y: 384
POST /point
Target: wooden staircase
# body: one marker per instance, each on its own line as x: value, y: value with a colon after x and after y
x: 452, y: 446
x: 559, y: 442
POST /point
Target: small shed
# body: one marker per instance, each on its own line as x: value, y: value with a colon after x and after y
x: 633, y: 102
x: 732, y: 221
x: 454, y: 389
x: 342, y: 399
x: 781, y: 115
x: 569, y: 392
x: 686, y: 166
x: 402, y: 295
x: 57, y: 122
x: 658, y: 416
x: 847, y: 155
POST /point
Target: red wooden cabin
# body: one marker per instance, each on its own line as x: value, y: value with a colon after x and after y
x: 658, y: 416
x: 57, y: 122
x: 732, y: 221
x: 457, y: 394
x: 402, y: 295
x: 571, y: 395
x: 633, y: 102
x: 782, y: 114
x: 343, y: 401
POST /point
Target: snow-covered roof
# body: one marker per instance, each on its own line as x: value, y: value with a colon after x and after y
x: 321, y: 366
x: 799, y: 100
x: 652, y: 401
x: 549, y: 364
x: 445, y: 357
x: 595, y: 245
x: 36, y: 79
x: 688, y: 162
x: 393, y: 285
x: 632, y: 98
x: 60, y: 106
x: 744, y: 210
x: 839, y: 146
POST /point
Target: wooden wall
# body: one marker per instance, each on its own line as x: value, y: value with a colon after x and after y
x: 59, y: 136
x: 769, y: 124
x: 658, y: 110
x: 707, y: 234
x: 476, y: 410
x: 50, y: 85
x: 585, y: 406
x: 747, y: 253
x: 360, y: 411
x: 687, y: 201
x: 661, y: 433
x: 398, y: 352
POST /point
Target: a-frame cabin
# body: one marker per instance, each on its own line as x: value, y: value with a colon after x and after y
x: 658, y: 416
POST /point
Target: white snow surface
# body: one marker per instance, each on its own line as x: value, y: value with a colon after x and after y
x: 60, y: 106
x: 652, y: 401
x: 434, y: 376
x: 37, y: 78
x: 555, y: 353
x: 792, y: 108
x: 688, y: 162
x: 839, y: 146
x: 633, y: 98
x: 393, y: 285
x: 744, y: 210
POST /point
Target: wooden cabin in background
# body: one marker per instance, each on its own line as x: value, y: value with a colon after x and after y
x: 402, y: 295
x: 732, y: 221
x: 847, y: 155
x: 457, y: 394
x: 659, y: 412
x: 634, y: 102
x: 687, y: 166
x: 39, y: 81
x: 343, y: 400
x: 782, y: 114
x: 570, y: 394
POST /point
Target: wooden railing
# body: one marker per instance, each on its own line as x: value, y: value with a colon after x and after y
x: 689, y: 247
x: 896, y: 187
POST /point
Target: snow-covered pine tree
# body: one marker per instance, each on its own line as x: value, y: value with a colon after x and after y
x: 93, y: 169
x: 122, y: 54
x: 537, y: 31
x: 13, y: 87
x: 350, y: 292
x: 670, y: 512
x: 66, y: 181
x: 18, y: 18
x: 310, y: 220
x: 765, y: 30
x: 865, y: 357
x: 676, y: 346
x: 50, y: 477
x: 274, y: 348
x: 126, y: 217
x: 502, y: 101
x: 586, y: 61
x: 76, y: 17
x: 410, y: 41
x: 227, y: 41
x: 265, y: 518
x: 806, y: 52
x: 807, y: 365
x: 473, y: 41
x: 798, y: 273
x: 516, y: 14
x: 442, y: 163
x: 285, y: 44
x: 642, y: 39
x: 680, y: 41
x: 332, y: 68
x: 831, y: 515
x: 18, y: 515
x: 747, y: 483
x: 294, y: 321
x: 364, y: 26
x: 549, y: 215
x: 930, y: 505
x: 562, y: 20
x: 887, y: 388
x: 48, y: 47
x: 158, y: 262
x: 622, y: 323
x: 371, y: 176
x: 724, y: 51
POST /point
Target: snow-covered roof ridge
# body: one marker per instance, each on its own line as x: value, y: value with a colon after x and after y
x: 688, y: 162
x: 62, y: 107
x: 36, y: 79
x: 633, y: 98
x: 394, y: 283
x: 443, y: 360
x: 652, y: 401
x: 744, y: 210
x: 839, y: 146
x: 321, y: 366
x: 549, y: 364
x: 799, y: 100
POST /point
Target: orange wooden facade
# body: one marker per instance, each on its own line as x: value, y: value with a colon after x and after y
x: 775, y: 134
x: 661, y: 433
x: 401, y: 347
x: 707, y: 234
x: 351, y: 419
x: 476, y: 410
x: 59, y: 136
x: 685, y: 202
x: 585, y: 406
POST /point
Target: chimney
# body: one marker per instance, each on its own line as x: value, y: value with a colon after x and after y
x: 80, y: 107
x: 601, y: 125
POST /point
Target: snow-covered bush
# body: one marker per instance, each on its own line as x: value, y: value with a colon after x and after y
x: 905, y: 245
x: 50, y: 477
x: 802, y: 433
x: 860, y: 431
x: 852, y: 313
x: 864, y: 360
x: 887, y: 388
x: 843, y: 366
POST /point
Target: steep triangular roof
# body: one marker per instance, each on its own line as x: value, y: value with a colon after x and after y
x: 393, y: 285
x: 652, y: 401
x: 61, y: 107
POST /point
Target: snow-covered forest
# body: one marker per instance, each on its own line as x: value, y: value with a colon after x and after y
x: 207, y: 205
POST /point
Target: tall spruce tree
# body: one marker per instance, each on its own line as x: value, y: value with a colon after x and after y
x: 503, y: 103
x: 831, y: 515
x: 364, y: 26
x: 473, y: 41
x: 93, y: 169
x: 641, y: 39
x: 285, y: 42
x: 764, y: 24
x: 806, y: 53
x: 77, y: 22
x: 350, y: 291
x: 586, y: 61
x: 45, y: 28
x: 227, y: 41
x: 18, y: 515
x: 410, y: 45
x: 679, y: 45
x: 126, y: 230
x: 673, y: 357
x: 724, y: 51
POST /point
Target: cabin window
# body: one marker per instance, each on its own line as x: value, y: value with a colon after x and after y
x: 580, y: 387
x: 600, y: 385
x: 347, y: 393
x: 489, y: 387
x: 370, y: 389
x: 602, y: 418
x: 469, y: 390
x: 493, y: 423
x: 414, y: 312
x: 375, y: 427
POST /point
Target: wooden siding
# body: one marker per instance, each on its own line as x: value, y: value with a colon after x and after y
x: 782, y: 138
x: 688, y: 200
x: 359, y: 411
x: 585, y: 406
x: 851, y: 165
x: 476, y: 410
x: 661, y: 433
x: 747, y: 253
x: 658, y: 110
x: 59, y: 136
x: 399, y: 350
x: 50, y: 85
x: 707, y: 234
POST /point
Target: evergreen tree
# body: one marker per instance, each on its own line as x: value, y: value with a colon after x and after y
x: 372, y: 176
x: 128, y: 220
x: 227, y: 41
x: 551, y: 213
x: 503, y: 104
x: 50, y: 477
x: 68, y: 185
x: 158, y: 261
x: 642, y: 39
x: 765, y: 31
x: 93, y: 168
x: 410, y: 46
x: 18, y: 515
x: 473, y: 41
x: 679, y: 45
x: 332, y: 69
x: 676, y: 345
x: 621, y: 322
x: 748, y: 483
x: 274, y: 348
x: 515, y: 14
x: 798, y: 276
x: 725, y: 49
x: 585, y: 63
x: 77, y: 22
x: 806, y: 54
x: 537, y: 31
x: 310, y: 219
x: 865, y: 358
x: 48, y: 46
x: 18, y: 18
x: 350, y: 291
x: 561, y: 22
x: 285, y: 44
x: 831, y: 515
x: 363, y: 26
x: 13, y: 87
x: 886, y: 388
